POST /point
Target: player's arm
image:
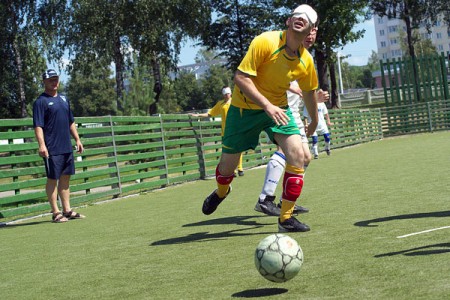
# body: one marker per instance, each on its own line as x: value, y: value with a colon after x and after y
x: 39, y: 133
x: 246, y: 85
x: 76, y: 137
x: 310, y: 100
x: 327, y: 117
x: 203, y: 115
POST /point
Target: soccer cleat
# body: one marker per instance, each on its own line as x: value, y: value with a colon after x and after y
x: 241, y: 173
x: 292, y: 225
x: 316, y: 156
x: 297, y: 209
x: 328, y: 152
x: 212, y: 202
x: 268, y: 206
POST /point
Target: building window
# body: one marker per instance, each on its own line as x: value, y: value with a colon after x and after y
x: 380, y: 20
x: 392, y: 28
x: 382, y: 32
x: 383, y: 44
x: 393, y: 41
x: 441, y: 47
x: 439, y: 35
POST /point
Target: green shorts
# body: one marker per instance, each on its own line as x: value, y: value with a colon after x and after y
x: 244, y: 126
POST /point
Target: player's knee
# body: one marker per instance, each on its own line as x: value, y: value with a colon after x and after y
x: 327, y: 138
x: 315, y: 140
x: 293, y: 187
x: 277, y: 159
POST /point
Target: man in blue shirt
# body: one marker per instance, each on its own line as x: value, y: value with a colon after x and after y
x: 53, y: 124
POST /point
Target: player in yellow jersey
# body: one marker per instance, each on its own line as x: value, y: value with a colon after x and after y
x: 221, y: 109
x: 259, y: 102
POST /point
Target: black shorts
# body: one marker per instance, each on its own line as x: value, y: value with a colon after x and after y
x: 57, y: 165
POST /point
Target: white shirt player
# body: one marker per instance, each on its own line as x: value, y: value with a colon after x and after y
x: 322, y: 127
x: 295, y: 103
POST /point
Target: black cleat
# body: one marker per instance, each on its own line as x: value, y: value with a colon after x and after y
x: 268, y: 206
x: 292, y: 225
x: 328, y: 151
x: 297, y: 209
x: 241, y: 173
x: 212, y: 202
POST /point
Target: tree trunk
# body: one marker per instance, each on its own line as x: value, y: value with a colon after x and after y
x: 412, y: 52
x: 322, y: 70
x: 18, y: 59
x: 334, y: 89
x: 118, y: 60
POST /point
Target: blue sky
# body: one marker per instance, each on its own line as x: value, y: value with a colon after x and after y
x: 359, y: 51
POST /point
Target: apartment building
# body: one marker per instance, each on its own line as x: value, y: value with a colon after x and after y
x: 389, y: 33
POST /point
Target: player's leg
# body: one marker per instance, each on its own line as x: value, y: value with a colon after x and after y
x: 298, y: 209
x: 315, y: 145
x: 224, y: 177
x: 292, y: 182
x: 274, y: 170
x: 327, y: 138
x: 241, y: 133
x: 53, y: 169
x: 240, y: 169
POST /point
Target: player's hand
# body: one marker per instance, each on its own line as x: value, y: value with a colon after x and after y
x: 80, y: 148
x: 310, y: 128
x: 43, y: 152
x: 322, y: 96
x: 277, y: 114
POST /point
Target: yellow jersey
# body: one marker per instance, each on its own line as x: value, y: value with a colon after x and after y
x: 221, y: 108
x: 272, y: 70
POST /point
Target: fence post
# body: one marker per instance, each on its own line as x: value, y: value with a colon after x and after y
x: 163, y: 140
x: 116, y: 162
x: 430, y: 121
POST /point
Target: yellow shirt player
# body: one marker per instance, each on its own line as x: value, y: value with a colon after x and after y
x: 273, y: 60
x: 221, y: 109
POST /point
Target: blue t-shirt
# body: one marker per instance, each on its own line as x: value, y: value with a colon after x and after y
x: 54, y: 116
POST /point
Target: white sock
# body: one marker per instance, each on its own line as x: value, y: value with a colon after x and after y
x: 274, y: 170
x: 315, y: 149
x: 327, y: 145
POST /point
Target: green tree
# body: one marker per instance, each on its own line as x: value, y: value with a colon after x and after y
x: 21, y: 60
x: 235, y: 25
x: 217, y: 77
x: 91, y: 89
x: 188, y: 92
x: 373, y: 62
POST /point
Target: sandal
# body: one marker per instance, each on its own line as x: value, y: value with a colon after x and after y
x: 59, y: 218
x: 73, y: 215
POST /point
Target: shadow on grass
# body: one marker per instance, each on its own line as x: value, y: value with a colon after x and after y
x: 436, y: 214
x: 11, y: 226
x: 425, y: 250
x: 207, y: 236
x: 259, y: 293
x: 237, y: 220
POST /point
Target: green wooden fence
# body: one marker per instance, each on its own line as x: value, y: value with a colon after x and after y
x: 408, y: 81
x: 126, y: 155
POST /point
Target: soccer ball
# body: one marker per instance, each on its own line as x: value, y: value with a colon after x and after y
x: 278, y: 258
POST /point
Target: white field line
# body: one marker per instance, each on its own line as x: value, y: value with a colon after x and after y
x: 420, y: 232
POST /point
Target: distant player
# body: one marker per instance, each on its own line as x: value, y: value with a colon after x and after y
x: 322, y: 128
x: 221, y: 109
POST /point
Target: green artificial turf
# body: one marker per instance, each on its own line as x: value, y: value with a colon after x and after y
x: 159, y: 245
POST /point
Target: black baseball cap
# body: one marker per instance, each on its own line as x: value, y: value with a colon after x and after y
x: 49, y: 74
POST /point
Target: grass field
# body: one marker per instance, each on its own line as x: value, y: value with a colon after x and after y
x: 159, y: 245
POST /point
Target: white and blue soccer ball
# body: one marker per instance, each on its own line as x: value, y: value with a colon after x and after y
x: 278, y: 258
